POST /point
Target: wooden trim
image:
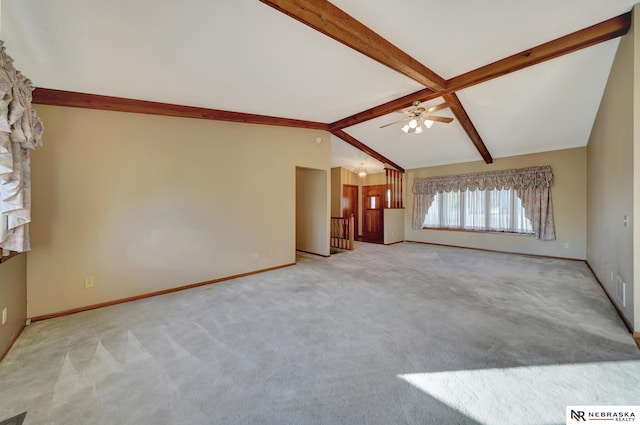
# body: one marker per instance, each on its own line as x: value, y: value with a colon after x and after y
x: 151, y: 294
x: 364, y: 148
x: 464, y: 120
x: 636, y: 338
x: 54, y: 97
x: 604, y: 31
x: 615, y: 306
x: 384, y: 109
x: 11, y: 342
x: 342, y: 27
x: 497, y: 251
x: 313, y: 253
x: 393, y: 243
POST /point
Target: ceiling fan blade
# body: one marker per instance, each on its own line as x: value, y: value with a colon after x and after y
x: 392, y: 123
x: 407, y: 113
x: 438, y: 107
x: 439, y: 119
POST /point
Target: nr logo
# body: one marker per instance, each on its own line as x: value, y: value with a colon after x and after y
x: 577, y: 415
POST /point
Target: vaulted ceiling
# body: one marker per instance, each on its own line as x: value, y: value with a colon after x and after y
x: 247, y: 56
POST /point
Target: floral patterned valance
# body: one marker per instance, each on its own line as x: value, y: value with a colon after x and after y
x: 20, y: 131
x: 524, y: 178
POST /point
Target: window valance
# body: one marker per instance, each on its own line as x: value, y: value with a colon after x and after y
x: 532, y: 186
x: 518, y: 179
x: 20, y: 132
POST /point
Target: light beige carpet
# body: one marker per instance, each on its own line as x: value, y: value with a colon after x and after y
x: 404, y: 334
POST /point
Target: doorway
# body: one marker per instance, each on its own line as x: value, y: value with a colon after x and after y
x: 373, y: 198
x: 350, y: 204
x: 312, y: 211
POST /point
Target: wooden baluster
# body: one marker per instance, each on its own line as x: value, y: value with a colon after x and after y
x: 386, y: 177
x: 398, y: 189
x: 401, y: 198
x: 393, y: 188
x: 394, y: 182
x: 352, y: 243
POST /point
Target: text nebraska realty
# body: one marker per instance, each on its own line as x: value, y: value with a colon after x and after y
x: 603, y: 416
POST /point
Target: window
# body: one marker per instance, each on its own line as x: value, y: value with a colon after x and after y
x: 373, y: 202
x: 497, y: 210
x: 470, y: 201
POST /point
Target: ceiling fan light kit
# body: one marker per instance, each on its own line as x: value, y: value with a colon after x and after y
x: 419, y: 118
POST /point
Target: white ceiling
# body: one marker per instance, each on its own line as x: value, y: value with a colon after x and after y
x: 241, y: 55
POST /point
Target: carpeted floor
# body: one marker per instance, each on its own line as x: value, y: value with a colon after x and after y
x: 401, y: 334
x: 16, y: 420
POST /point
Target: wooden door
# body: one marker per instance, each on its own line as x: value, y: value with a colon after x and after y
x: 372, y: 213
x: 350, y: 204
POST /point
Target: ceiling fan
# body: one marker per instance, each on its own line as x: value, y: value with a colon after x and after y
x: 417, y: 116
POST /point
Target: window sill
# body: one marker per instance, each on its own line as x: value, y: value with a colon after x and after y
x: 493, y: 232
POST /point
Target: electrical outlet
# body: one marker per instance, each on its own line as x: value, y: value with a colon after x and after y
x: 272, y: 252
x: 566, y: 245
x: 256, y: 255
x: 89, y: 282
x: 4, y: 315
x: 611, y: 276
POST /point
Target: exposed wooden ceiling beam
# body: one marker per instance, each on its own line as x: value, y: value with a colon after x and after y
x: 330, y: 20
x: 366, y: 149
x: 384, y: 109
x: 464, y: 120
x: 604, y: 31
x: 337, y: 24
x: 590, y: 36
x: 92, y: 101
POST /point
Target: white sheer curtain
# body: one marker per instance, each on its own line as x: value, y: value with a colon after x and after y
x: 500, y: 205
x: 530, y: 186
x: 475, y: 206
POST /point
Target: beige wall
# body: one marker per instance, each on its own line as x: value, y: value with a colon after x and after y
x: 393, y: 225
x: 144, y: 203
x: 374, y: 179
x: 569, y: 203
x: 610, y: 185
x: 13, y: 297
x: 312, y: 211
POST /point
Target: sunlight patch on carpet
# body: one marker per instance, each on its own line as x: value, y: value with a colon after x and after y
x: 533, y: 395
x: 16, y: 420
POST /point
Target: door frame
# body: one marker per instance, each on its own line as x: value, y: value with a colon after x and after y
x: 356, y: 203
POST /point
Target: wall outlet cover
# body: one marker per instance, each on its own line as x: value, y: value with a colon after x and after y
x: 89, y: 282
